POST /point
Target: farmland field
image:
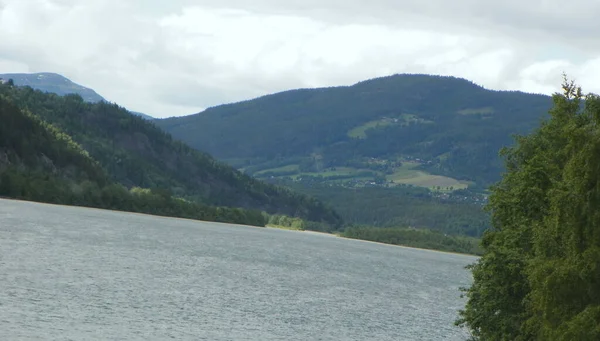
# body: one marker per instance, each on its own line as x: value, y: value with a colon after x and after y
x: 408, y: 175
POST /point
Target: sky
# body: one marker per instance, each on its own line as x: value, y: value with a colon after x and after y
x: 179, y: 57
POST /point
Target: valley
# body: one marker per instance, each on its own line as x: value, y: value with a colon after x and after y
x: 310, y: 159
x: 372, y: 172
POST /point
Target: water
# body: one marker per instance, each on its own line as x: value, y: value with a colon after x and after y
x: 84, y: 274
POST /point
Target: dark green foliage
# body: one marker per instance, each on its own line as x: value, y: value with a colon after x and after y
x: 26, y: 139
x: 41, y: 187
x: 38, y: 162
x: 400, y: 206
x: 539, y: 276
x: 453, y: 123
x: 420, y: 238
x: 135, y: 153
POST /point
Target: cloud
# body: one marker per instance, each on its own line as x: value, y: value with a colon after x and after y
x: 181, y: 56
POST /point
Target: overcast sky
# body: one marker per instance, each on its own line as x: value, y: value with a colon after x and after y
x: 177, y: 57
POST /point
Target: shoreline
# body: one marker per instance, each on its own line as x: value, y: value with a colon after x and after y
x: 334, y: 235
x: 386, y: 244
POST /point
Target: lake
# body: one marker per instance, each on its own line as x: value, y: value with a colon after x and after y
x: 71, y: 273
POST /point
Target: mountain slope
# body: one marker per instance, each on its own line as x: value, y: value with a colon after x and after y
x: 54, y: 83
x: 454, y: 124
x: 134, y: 152
x: 57, y: 84
x: 38, y: 162
x: 29, y: 144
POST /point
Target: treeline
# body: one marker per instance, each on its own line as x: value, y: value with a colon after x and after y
x: 399, y: 206
x: 40, y: 187
x: 420, y: 238
x: 539, y: 276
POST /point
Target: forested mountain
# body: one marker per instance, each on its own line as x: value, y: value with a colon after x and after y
x: 133, y: 152
x: 57, y: 84
x: 38, y: 162
x: 539, y: 276
x: 455, y: 126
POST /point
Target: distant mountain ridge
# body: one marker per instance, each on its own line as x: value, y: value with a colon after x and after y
x: 57, y: 84
x: 54, y: 83
x: 451, y: 126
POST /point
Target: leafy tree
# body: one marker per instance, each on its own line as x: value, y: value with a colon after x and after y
x: 539, y: 276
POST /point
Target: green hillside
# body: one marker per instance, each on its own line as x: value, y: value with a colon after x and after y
x: 451, y: 127
x: 38, y: 162
x: 134, y: 153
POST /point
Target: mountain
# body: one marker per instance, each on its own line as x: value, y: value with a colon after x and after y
x: 39, y: 162
x: 57, y: 84
x: 432, y: 131
x: 133, y: 153
x: 54, y: 83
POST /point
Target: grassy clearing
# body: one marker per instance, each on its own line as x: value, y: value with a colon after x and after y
x: 408, y: 175
x: 338, y: 171
x: 360, y: 131
x: 287, y: 168
x: 361, y: 179
x: 348, y: 172
x: 404, y: 119
x: 431, y: 181
x: 476, y: 111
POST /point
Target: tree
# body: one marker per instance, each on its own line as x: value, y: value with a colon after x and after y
x: 539, y: 276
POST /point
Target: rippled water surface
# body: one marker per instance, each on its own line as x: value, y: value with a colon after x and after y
x: 83, y: 274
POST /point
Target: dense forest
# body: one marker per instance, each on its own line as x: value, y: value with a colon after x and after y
x: 455, y: 125
x: 421, y: 238
x: 133, y: 153
x: 401, y: 206
x: 539, y: 276
x: 40, y: 163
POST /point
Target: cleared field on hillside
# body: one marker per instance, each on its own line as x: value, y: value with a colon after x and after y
x: 406, y: 174
x: 477, y: 111
x: 409, y: 176
x: 288, y: 168
x: 404, y: 119
x: 360, y: 131
x: 347, y: 172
